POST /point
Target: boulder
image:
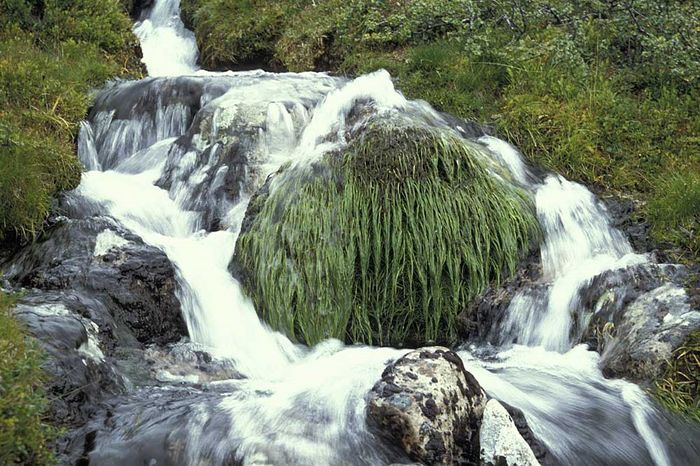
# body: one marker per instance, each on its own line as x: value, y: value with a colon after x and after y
x: 382, y: 256
x: 500, y: 439
x: 431, y: 406
x: 645, y: 336
x: 636, y: 317
x: 133, y: 282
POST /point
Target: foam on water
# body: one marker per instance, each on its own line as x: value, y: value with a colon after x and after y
x: 169, y: 49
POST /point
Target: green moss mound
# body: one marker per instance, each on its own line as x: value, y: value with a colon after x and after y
x: 23, y: 433
x: 385, y: 243
x: 678, y: 389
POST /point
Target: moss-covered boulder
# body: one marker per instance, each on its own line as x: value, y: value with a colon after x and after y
x: 385, y: 242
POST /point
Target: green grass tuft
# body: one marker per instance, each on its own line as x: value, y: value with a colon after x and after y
x: 678, y: 389
x: 676, y: 210
x: 23, y: 433
x: 387, y: 242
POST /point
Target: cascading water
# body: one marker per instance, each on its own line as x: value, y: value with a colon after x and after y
x: 154, y: 152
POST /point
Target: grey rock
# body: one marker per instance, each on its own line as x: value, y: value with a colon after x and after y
x: 79, y: 375
x: 500, y: 439
x: 155, y: 426
x: 636, y: 317
x: 134, y: 282
x: 648, y: 332
x: 431, y: 406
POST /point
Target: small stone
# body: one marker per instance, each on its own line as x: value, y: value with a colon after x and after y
x: 501, y: 442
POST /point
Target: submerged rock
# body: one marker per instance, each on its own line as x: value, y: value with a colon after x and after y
x: 430, y: 406
x: 158, y: 426
x: 482, y: 319
x: 500, y: 439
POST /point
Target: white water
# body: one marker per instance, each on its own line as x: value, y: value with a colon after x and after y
x: 168, y: 48
x: 312, y: 410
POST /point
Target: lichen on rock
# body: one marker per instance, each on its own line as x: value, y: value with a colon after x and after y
x: 430, y: 406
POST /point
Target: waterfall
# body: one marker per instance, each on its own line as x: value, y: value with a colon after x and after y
x: 154, y: 150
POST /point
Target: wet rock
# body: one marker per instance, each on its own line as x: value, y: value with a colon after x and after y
x: 637, y: 317
x: 482, y: 319
x: 134, y: 282
x: 647, y: 333
x: 213, y: 166
x: 217, y: 158
x: 501, y: 441
x: 188, y: 363
x: 606, y: 297
x: 137, y: 7
x: 540, y: 450
x: 79, y: 375
x: 163, y: 426
x: 431, y: 406
x: 130, y: 116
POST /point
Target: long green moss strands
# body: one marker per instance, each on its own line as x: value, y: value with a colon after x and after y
x: 389, y: 247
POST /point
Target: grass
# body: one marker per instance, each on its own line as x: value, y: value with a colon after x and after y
x: 601, y: 92
x: 387, y: 242
x: 24, y: 435
x: 678, y: 389
x: 52, y: 55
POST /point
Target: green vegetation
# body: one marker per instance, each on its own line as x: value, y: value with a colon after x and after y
x: 23, y: 433
x: 602, y: 91
x: 52, y: 54
x: 385, y: 243
x: 678, y: 389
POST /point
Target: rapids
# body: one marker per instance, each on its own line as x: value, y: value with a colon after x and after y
x: 152, y: 149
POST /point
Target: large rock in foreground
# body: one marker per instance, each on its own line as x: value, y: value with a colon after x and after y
x: 428, y: 404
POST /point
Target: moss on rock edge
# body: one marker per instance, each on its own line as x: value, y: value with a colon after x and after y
x: 678, y: 388
x: 385, y: 243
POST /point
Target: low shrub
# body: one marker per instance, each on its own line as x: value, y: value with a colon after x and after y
x: 53, y: 53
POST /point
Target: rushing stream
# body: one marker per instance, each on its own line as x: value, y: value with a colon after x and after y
x: 152, y: 149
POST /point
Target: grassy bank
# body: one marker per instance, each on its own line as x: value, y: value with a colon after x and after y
x: 53, y: 53
x: 23, y: 432
x: 603, y: 92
